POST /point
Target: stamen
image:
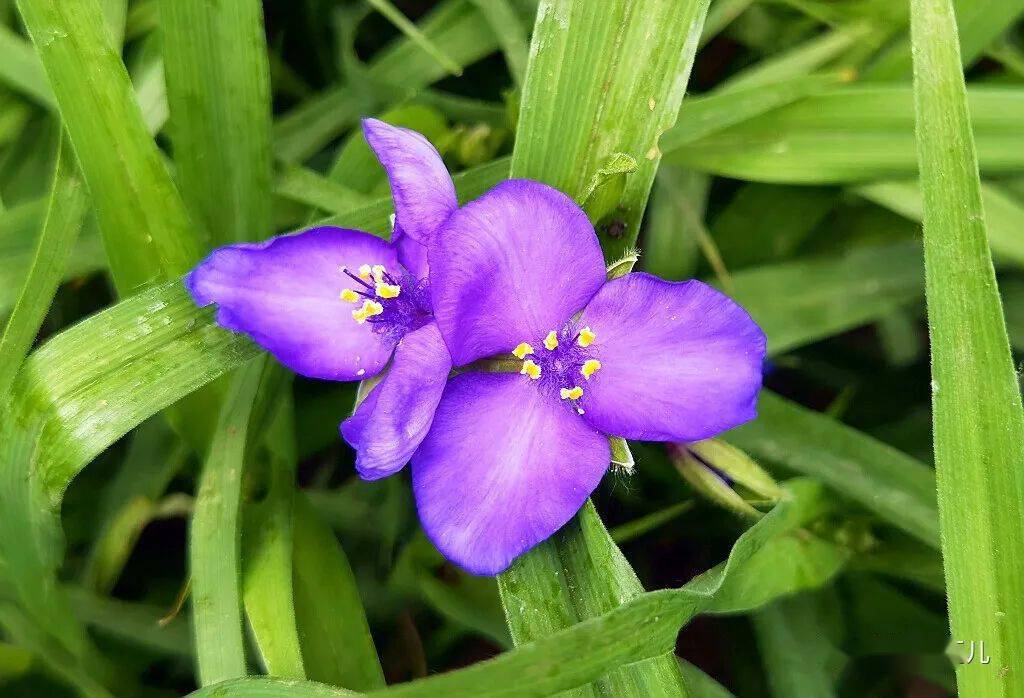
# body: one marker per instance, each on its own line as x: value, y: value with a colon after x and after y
x: 530, y: 369
x: 586, y: 337
x: 378, y: 273
x: 574, y: 393
x: 369, y: 309
x: 388, y: 290
x: 349, y: 296
x: 590, y: 367
x: 365, y: 272
x: 551, y: 341
x: 522, y: 350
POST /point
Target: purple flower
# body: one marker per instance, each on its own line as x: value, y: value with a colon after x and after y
x: 511, y: 457
x: 500, y: 461
x: 341, y: 304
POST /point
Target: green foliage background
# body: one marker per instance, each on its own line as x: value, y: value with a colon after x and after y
x: 178, y: 514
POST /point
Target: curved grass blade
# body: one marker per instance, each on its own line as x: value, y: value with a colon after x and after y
x: 64, y: 217
x: 978, y: 420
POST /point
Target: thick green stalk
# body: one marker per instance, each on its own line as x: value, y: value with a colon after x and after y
x: 602, y: 79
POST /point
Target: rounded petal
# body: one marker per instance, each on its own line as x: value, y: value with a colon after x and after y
x: 284, y: 294
x: 502, y: 469
x: 679, y: 361
x: 420, y: 184
x: 510, y: 267
x: 390, y: 423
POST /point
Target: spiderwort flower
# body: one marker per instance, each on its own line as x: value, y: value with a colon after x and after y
x: 340, y: 304
x: 511, y: 457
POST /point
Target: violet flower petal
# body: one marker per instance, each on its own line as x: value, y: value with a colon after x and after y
x: 411, y: 254
x: 679, y: 361
x: 421, y: 187
x: 284, y: 294
x: 502, y: 469
x: 395, y: 417
x: 510, y: 267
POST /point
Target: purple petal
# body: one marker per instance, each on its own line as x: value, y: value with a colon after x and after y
x: 284, y: 294
x: 390, y: 423
x: 420, y: 185
x: 679, y: 361
x: 502, y: 469
x: 411, y: 254
x: 510, y: 267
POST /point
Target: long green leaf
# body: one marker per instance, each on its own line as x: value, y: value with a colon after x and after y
x: 146, y: 230
x: 218, y: 89
x: 880, y: 478
x: 977, y: 414
x: 805, y: 300
x: 336, y: 642
x: 1004, y: 215
x: 214, y: 535
x: 64, y: 216
x: 852, y: 134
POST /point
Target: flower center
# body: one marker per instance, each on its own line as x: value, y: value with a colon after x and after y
x: 564, y: 364
x: 390, y: 306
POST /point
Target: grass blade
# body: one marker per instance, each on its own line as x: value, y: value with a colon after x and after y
x: 64, y: 217
x: 146, y: 230
x: 218, y: 89
x: 214, y: 537
x: 1004, y: 215
x: 896, y: 487
x: 336, y: 642
x: 978, y: 420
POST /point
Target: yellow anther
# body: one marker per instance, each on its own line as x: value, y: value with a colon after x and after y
x: 551, y: 341
x: 349, y: 296
x: 590, y: 367
x: 369, y: 309
x: 522, y: 350
x: 530, y: 369
x: 586, y: 337
x: 378, y: 273
x: 574, y: 393
x: 365, y: 272
x: 388, y: 290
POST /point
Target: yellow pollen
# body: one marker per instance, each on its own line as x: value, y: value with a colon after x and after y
x: 365, y: 272
x: 586, y: 337
x: 551, y: 341
x: 590, y: 367
x: 530, y: 369
x: 378, y: 273
x: 388, y: 290
x: 369, y: 309
x: 574, y: 393
x: 349, y: 296
x: 522, y: 350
